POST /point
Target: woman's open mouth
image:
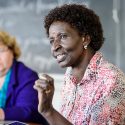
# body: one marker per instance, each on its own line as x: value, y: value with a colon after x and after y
x: 61, y: 57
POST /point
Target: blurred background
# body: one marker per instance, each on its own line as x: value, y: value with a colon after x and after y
x: 24, y: 20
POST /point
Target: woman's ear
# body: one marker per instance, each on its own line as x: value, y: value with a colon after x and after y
x: 86, y: 40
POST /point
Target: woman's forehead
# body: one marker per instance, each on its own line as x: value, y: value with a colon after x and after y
x: 60, y: 27
x: 2, y: 44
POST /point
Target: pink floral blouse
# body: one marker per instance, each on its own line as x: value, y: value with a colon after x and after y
x: 99, y: 99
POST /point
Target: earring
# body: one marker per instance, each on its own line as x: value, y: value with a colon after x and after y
x: 85, y: 47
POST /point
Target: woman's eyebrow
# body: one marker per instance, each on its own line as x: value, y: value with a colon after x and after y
x: 51, y: 37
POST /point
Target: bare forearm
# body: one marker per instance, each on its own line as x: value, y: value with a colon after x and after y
x: 55, y: 118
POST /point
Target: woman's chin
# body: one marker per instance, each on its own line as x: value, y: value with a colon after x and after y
x: 63, y: 64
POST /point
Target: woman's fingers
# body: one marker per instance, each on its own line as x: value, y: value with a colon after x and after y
x: 46, y: 78
x: 44, y: 83
x: 41, y: 76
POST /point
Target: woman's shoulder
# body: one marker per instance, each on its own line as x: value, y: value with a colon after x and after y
x: 22, y: 68
x: 111, y: 75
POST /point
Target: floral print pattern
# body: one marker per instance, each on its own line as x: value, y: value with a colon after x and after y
x: 99, y: 98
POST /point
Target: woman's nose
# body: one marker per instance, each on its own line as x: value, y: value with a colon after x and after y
x: 56, y: 45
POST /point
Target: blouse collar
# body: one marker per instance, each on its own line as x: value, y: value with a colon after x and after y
x: 91, y: 70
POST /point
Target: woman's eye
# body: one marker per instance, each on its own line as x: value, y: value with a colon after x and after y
x: 51, y: 41
x: 63, y: 36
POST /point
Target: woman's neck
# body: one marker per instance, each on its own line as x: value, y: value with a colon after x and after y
x: 79, y: 70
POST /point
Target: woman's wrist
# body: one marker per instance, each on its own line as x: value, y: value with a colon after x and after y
x: 2, y: 115
x: 48, y: 113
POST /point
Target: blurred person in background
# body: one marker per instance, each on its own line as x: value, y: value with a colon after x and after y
x: 18, y: 99
x: 94, y: 89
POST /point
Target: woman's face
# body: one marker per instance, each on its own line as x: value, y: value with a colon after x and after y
x: 6, y: 59
x: 66, y: 44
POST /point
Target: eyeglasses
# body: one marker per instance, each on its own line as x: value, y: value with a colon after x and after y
x: 2, y: 50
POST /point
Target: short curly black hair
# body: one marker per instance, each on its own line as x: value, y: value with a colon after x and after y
x: 84, y: 20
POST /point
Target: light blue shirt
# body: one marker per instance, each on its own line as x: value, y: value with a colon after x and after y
x: 3, y: 90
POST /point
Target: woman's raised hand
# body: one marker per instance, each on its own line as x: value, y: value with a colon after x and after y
x: 45, y: 87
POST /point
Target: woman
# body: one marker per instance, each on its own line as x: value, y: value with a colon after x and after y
x: 94, y: 89
x: 18, y: 99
